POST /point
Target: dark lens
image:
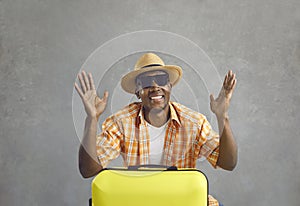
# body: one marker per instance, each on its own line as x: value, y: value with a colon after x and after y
x: 146, y: 81
x: 161, y: 79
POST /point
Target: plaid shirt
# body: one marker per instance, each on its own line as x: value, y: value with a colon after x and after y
x: 188, y: 137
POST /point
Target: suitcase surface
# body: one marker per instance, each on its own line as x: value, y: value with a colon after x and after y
x: 150, y: 187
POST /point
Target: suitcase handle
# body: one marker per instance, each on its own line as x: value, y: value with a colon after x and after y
x: 168, y: 168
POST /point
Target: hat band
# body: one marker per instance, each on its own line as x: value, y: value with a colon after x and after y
x: 151, y: 65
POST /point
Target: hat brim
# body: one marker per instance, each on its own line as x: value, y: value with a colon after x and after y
x: 128, y: 81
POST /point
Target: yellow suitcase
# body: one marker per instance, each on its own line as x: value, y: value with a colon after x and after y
x: 149, y: 186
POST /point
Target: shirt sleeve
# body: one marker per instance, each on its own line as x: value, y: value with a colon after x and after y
x: 108, y: 141
x: 209, y: 143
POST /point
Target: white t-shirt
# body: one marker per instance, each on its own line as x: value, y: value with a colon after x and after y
x: 157, y: 139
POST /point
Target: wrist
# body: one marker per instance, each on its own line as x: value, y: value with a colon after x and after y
x: 222, y: 116
x: 91, y: 118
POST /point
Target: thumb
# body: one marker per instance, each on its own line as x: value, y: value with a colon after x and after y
x: 105, y: 96
x: 212, y: 99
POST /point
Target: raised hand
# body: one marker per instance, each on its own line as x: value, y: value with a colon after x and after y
x: 93, y: 105
x: 220, y: 105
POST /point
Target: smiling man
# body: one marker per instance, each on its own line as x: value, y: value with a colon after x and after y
x: 155, y: 130
x: 153, y: 88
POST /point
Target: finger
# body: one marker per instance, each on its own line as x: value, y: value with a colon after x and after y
x: 212, y: 99
x: 87, y: 82
x: 231, y: 81
x: 230, y: 73
x: 233, y: 84
x: 78, y: 90
x: 92, y: 81
x: 105, y: 96
x: 82, y: 84
x: 225, y: 80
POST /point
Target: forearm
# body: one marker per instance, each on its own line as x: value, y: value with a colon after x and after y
x: 88, y: 163
x: 228, y: 149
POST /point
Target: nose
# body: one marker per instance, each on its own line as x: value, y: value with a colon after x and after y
x: 154, y: 87
x: 154, y: 84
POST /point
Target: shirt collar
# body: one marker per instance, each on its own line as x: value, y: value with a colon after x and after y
x: 174, y: 116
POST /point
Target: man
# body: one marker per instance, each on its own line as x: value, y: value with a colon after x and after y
x: 155, y: 130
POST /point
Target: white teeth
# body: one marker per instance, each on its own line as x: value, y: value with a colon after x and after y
x: 156, y: 97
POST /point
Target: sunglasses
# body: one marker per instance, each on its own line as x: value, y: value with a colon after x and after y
x: 147, y: 81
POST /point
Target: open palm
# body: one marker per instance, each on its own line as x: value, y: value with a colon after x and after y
x: 94, y: 106
x: 220, y: 105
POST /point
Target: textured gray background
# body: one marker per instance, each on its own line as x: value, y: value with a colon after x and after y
x: 44, y: 43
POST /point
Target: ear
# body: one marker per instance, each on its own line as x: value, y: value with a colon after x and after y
x: 138, y: 88
x: 137, y: 94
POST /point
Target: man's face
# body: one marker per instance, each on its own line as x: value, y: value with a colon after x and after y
x: 154, y: 89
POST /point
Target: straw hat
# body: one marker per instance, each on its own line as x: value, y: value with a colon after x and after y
x: 149, y: 62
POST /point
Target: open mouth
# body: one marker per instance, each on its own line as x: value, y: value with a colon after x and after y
x: 157, y: 98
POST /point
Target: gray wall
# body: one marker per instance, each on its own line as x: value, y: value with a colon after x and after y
x: 43, y: 44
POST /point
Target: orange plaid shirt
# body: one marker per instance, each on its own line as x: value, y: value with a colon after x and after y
x: 188, y: 137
